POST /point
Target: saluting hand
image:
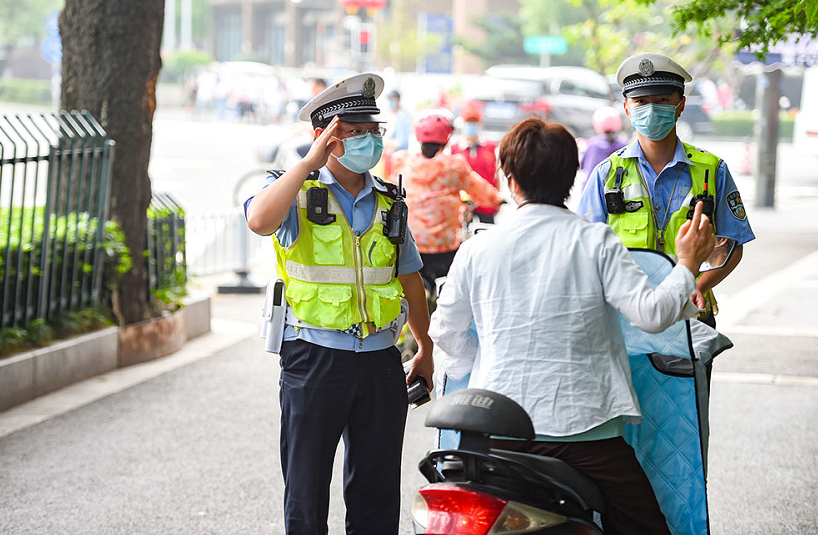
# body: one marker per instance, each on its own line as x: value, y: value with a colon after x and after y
x: 321, y: 148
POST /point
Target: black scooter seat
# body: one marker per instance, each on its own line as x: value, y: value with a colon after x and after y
x: 561, y: 472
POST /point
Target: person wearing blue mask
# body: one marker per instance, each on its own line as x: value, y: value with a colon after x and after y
x: 341, y: 374
x: 646, y: 190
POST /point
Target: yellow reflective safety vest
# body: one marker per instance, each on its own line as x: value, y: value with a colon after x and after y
x: 639, y: 225
x: 336, y: 278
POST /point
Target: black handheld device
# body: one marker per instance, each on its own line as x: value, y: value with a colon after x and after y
x: 709, y: 202
x: 418, y: 393
x: 396, y: 218
x: 615, y: 198
x: 318, y: 206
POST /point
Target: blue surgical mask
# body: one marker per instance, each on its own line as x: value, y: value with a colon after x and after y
x: 471, y: 129
x: 654, y: 121
x: 361, y: 153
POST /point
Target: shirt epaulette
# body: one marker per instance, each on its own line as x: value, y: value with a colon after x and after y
x: 391, y: 189
x: 276, y: 173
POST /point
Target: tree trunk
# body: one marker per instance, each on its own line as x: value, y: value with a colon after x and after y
x: 110, y: 63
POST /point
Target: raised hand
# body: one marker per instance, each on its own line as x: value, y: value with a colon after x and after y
x: 321, y: 148
x: 695, y: 240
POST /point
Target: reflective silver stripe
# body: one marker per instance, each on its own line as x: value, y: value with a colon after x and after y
x: 634, y: 191
x: 688, y: 199
x: 291, y: 319
x: 332, y: 206
x: 378, y: 275
x: 337, y: 274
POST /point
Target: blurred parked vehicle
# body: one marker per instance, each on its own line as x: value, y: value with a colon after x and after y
x: 568, y: 95
x: 695, y: 119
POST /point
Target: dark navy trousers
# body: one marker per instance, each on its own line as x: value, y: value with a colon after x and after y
x: 327, y: 394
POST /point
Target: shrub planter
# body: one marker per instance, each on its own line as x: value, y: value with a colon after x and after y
x: 34, y: 373
x: 157, y: 337
x: 151, y: 339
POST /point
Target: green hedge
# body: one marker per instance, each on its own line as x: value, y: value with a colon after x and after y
x: 742, y: 124
x: 72, y: 235
x: 25, y: 91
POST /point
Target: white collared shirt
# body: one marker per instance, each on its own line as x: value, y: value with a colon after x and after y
x: 543, y: 290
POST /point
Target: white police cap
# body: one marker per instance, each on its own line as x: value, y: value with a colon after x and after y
x: 651, y: 74
x: 353, y: 99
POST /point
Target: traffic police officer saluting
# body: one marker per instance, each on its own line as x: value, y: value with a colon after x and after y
x: 644, y: 190
x: 341, y: 374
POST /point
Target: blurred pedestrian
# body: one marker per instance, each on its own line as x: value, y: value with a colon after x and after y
x: 480, y: 153
x: 398, y: 130
x: 433, y: 181
x: 607, y: 123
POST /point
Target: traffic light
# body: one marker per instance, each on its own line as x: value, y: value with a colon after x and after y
x: 363, y: 41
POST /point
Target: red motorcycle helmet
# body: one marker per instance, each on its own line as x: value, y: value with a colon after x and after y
x: 472, y: 111
x: 435, y: 126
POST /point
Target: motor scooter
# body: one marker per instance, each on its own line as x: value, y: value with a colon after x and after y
x: 476, y: 490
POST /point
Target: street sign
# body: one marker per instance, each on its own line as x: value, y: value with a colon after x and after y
x: 438, y: 54
x: 51, y: 49
x: 553, y: 45
x: 791, y: 52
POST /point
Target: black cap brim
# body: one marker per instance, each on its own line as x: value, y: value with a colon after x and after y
x: 361, y: 118
x: 652, y: 90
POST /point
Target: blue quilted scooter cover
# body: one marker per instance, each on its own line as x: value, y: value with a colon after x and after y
x: 671, y: 441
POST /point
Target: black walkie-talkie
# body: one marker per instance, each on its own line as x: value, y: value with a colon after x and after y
x: 709, y: 202
x: 396, y: 218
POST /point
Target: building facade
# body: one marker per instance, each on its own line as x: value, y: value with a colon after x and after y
x: 317, y: 32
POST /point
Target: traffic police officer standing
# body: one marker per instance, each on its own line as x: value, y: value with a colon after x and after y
x: 644, y: 190
x: 341, y: 374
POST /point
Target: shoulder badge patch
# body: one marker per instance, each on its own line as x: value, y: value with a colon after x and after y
x: 387, y: 188
x: 276, y: 173
x: 736, y: 206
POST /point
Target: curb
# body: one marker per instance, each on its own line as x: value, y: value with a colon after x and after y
x: 223, y: 335
x: 31, y: 374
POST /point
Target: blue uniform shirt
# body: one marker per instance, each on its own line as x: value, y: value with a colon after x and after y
x: 359, y: 211
x: 729, y: 221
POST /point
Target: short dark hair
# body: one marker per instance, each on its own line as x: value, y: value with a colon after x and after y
x: 542, y: 159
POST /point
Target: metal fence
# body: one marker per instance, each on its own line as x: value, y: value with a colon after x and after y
x: 55, y: 172
x: 166, y: 259
x: 220, y: 242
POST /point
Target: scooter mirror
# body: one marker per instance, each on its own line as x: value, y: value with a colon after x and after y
x: 721, y: 254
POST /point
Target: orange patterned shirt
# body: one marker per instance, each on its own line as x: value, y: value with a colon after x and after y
x: 433, y: 188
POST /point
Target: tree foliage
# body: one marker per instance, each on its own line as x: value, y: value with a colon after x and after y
x: 24, y: 19
x: 754, y: 22
x: 504, y: 39
x: 607, y: 31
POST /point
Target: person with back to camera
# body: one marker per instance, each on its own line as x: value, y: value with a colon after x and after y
x: 341, y: 374
x: 433, y: 181
x: 542, y: 290
x: 479, y: 152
